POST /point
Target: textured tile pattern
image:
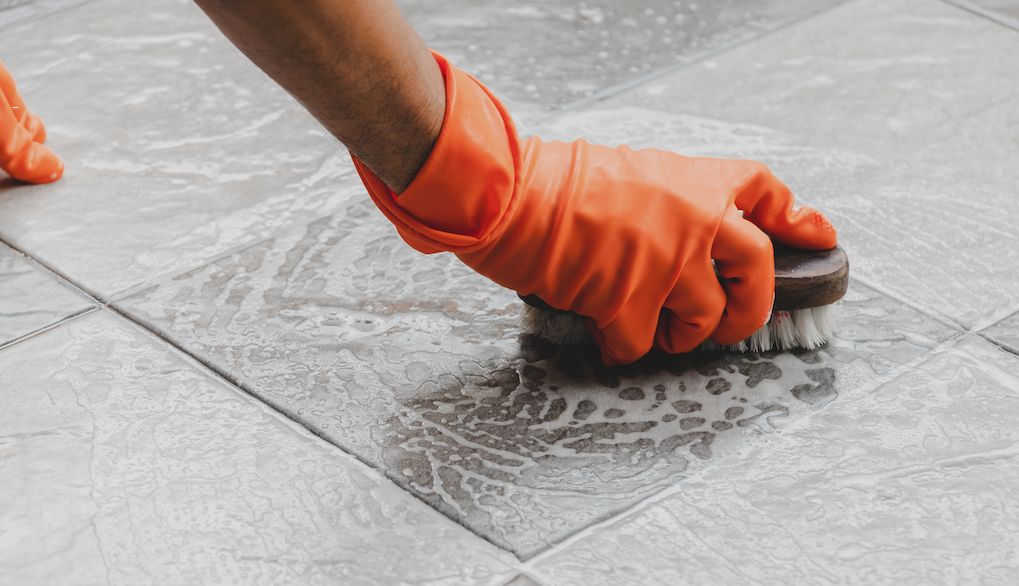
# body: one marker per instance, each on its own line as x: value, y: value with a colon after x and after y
x: 124, y: 463
x: 551, y: 53
x: 177, y: 148
x: 413, y: 363
x: 1005, y: 11
x: 209, y: 206
x: 913, y: 483
x: 522, y: 580
x: 15, y: 11
x: 31, y: 299
x: 907, y: 139
x: 1005, y: 332
x: 160, y: 119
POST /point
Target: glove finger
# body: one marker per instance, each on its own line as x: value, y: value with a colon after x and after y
x: 745, y: 262
x: 33, y: 124
x: 20, y: 156
x: 692, y: 310
x: 769, y: 204
x: 629, y: 336
x: 35, y: 164
x: 10, y: 91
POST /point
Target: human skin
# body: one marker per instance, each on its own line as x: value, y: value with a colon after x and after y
x: 684, y: 263
x: 356, y: 65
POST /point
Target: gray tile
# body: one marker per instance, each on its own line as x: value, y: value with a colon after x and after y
x: 177, y: 148
x: 551, y: 53
x: 1005, y: 332
x: 522, y: 580
x: 125, y: 463
x: 1004, y: 11
x: 31, y: 299
x: 16, y: 11
x: 414, y: 363
x: 913, y: 483
x: 896, y: 117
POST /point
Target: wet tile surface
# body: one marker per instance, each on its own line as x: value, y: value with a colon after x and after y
x: 553, y: 53
x: 213, y: 209
x: 123, y: 462
x: 161, y: 120
x: 177, y: 148
x: 912, y: 483
x: 17, y: 11
x: 907, y: 139
x: 31, y: 299
x: 1007, y: 11
x: 414, y: 364
x: 522, y: 580
x: 1005, y: 332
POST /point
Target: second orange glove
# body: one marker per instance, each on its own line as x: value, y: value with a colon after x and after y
x: 655, y: 248
x: 22, y: 154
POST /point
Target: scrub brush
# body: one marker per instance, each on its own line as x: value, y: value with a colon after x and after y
x: 807, y: 284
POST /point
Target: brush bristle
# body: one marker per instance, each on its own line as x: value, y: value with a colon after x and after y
x: 786, y: 330
x: 563, y: 329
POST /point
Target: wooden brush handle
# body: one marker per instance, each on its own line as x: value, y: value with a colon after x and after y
x: 809, y: 278
x: 803, y: 278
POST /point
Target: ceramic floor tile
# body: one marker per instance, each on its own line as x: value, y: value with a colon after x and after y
x: 1004, y: 11
x: 913, y: 483
x: 15, y: 11
x: 522, y: 580
x: 552, y: 53
x: 125, y: 463
x: 896, y: 117
x: 414, y: 363
x: 32, y: 299
x: 177, y: 148
x: 1005, y: 332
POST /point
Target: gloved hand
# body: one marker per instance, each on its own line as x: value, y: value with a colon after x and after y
x: 22, y: 154
x: 630, y: 239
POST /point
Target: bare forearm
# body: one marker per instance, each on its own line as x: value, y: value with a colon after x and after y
x: 356, y: 65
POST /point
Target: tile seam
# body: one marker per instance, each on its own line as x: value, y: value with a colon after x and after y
x: 985, y: 13
x: 242, y: 389
x: 529, y: 564
x: 52, y: 271
x: 998, y: 343
x: 635, y: 84
x: 51, y: 326
x: 113, y: 307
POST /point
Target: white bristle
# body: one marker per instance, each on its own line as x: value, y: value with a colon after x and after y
x: 784, y: 329
x: 800, y: 328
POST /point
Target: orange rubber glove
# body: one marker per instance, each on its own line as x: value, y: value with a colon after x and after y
x: 630, y: 239
x: 22, y: 154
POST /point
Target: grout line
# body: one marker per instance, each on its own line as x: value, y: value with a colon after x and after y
x: 96, y: 304
x: 652, y: 500
x: 600, y: 96
x: 627, y: 86
x: 517, y: 573
x: 68, y: 281
x: 238, y: 386
x: 996, y: 318
x: 1001, y: 345
x: 991, y: 15
x: 201, y: 263
x: 931, y: 313
x: 220, y: 373
x: 113, y: 307
x: 67, y: 318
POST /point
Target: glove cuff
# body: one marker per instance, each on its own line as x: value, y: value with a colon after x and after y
x: 460, y: 197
